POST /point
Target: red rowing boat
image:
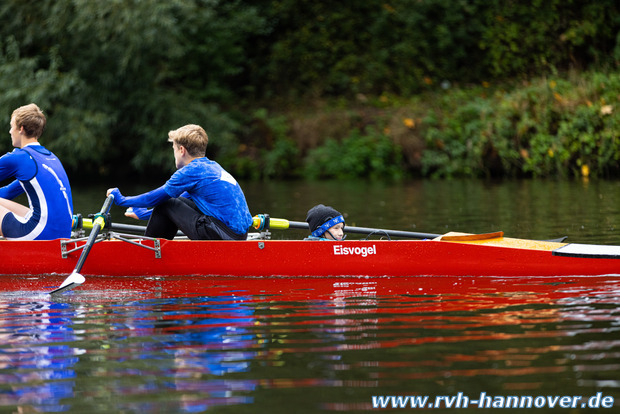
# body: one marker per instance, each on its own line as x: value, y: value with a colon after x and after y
x: 448, y: 255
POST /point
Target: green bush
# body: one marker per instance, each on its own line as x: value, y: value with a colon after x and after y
x: 280, y: 159
x: 460, y: 141
x: 369, y: 155
x: 550, y: 127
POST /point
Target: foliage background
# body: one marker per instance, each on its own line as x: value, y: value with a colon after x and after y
x: 300, y: 88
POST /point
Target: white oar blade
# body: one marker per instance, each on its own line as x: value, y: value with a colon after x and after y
x: 73, y: 280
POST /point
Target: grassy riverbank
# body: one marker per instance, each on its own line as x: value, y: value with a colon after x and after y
x: 564, y: 125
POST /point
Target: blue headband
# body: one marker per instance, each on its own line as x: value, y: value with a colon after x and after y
x: 327, y: 225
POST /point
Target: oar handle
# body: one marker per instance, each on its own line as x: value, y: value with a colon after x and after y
x: 132, y: 228
x: 263, y: 221
x: 88, y: 224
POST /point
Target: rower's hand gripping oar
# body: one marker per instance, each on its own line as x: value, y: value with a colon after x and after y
x: 75, y: 278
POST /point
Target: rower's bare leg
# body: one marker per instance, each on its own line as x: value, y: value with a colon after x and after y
x: 9, y: 206
x: 19, y: 209
x: 3, y: 212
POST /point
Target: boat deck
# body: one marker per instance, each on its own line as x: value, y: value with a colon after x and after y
x: 501, y: 241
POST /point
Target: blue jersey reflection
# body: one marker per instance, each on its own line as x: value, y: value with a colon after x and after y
x: 37, y: 364
x: 176, y: 355
x: 199, y: 344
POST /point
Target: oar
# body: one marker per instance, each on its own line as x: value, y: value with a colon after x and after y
x: 88, y: 224
x: 278, y: 223
x: 262, y: 221
x: 75, y: 278
x: 282, y: 224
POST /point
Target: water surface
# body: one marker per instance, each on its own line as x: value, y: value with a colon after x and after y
x: 296, y: 345
x: 282, y: 345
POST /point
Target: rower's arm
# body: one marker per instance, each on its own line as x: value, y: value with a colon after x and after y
x: 150, y: 199
x: 11, y: 191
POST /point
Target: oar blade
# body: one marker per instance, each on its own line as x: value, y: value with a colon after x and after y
x: 73, y: 280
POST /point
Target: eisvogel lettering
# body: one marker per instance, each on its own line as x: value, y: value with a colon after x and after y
x: 360, y: 251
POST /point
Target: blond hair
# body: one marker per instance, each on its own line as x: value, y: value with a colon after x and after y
x: 192, y: 137
x: 31, y: 118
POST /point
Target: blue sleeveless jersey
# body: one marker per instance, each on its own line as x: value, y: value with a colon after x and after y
x: 41, y: 176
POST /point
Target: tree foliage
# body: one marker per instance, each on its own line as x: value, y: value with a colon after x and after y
x: 115, y: 76
x: 549, y: 127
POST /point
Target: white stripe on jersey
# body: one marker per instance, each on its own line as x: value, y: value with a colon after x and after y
x: 62, y: 188
x: 44, y: 214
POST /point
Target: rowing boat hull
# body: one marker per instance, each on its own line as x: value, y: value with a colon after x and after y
x: 305, y: 258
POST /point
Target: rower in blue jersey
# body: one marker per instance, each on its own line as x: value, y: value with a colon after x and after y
x: 201, y: 199
x: 39, y: 174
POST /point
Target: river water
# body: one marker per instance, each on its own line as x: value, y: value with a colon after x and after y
x: 282, y: 345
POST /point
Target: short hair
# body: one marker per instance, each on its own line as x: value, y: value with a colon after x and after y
x: 192, y: 137
x: 31, y: 118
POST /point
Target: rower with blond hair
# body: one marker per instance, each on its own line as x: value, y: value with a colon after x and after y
x: 201, y: 199
x: 39, y: 174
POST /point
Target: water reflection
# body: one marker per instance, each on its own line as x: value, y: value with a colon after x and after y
x: 323, y: 344
x: 180, y: 347
x: 196, y: 341
x: 36, y: 366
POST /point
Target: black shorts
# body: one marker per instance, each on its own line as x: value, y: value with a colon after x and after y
x: 182, y: 214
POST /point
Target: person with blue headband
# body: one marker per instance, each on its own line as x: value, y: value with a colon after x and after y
x: 325, y: 223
